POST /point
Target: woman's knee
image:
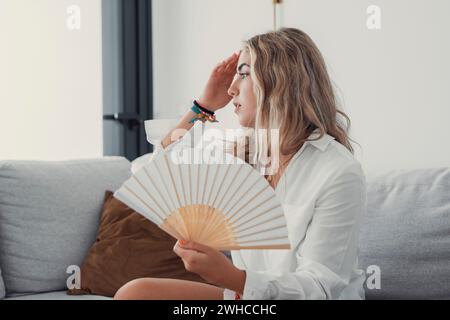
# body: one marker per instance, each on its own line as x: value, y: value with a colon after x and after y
x: 134, y: 290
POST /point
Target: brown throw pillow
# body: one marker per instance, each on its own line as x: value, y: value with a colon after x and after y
x: 128, y: 247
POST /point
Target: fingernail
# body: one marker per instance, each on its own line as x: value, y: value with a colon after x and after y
x: 182, y: 242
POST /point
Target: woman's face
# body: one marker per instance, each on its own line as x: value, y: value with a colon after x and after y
x: 241, y: 89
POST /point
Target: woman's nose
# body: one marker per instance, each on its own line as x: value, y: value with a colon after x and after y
x: 232, y: 90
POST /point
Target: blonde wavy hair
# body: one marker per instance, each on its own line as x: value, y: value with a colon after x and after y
x: 293, y: 90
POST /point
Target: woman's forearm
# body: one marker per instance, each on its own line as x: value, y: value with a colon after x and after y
x: 180, y: 130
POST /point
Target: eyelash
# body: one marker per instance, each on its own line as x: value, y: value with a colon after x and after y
x: 243, y: 75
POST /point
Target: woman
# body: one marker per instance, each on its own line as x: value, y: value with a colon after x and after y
x: 280, y: 81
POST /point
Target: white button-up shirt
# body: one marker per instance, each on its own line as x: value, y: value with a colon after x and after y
x: 323, y: 193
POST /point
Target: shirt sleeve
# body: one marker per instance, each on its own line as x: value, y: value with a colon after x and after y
x: 327, y: 257
x: 190, y: 139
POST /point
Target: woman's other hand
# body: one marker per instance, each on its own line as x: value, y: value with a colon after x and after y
x: 215, y: 95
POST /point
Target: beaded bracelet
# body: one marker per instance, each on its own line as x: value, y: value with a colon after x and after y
x: 203, y: 108
x: 202, y: 114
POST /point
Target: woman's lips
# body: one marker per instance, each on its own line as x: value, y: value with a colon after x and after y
x: 237, y: 107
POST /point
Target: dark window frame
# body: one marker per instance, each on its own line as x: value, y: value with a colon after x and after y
x: 136, y: 83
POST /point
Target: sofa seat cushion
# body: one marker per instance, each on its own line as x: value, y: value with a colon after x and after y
x: 56, y: 295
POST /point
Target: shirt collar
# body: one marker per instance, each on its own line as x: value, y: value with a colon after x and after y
x: 321, y: 143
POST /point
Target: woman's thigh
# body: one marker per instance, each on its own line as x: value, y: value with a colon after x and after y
x: 168, y: 289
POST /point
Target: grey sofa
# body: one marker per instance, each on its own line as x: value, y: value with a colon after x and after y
x: 49, y: 215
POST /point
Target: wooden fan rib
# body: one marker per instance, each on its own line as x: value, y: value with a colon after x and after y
x: 157, y: 190
x: 211, y: 208
x: 237, y: 201
x: 221, y: 184
x: 236, y: 191
x: 210, y: 218
x: 208, y: 199
x: 207, y: 218
x: 170, y: 230
x: 248, y: 201
x: 224, y: 240
x: 172, y: 180
x: 193, y: 212
x: 197, y: 213
x: 187, y: 205
x: 264, y: 239
x: 190, y: 184
x: 259, y: 223
x: 219, y: 229
x: 182, y: 226
x: 170, y: 210
x: 241, y: 236
x: 252, y: 209
x: 143, y: 202
x: 148, y: 193
x: 256, y: 247
x: 202, y: 213
x: 218, y: 192
x: 229, y: 186
x: 158, y: 170
x: 257, y: 215
x: 252, y: 217
x: 182, y: 184
x: 205, y: 183
x: 269, y: 243
x: 198, y: 185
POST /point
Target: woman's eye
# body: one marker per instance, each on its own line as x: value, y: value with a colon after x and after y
x: 244, y: 75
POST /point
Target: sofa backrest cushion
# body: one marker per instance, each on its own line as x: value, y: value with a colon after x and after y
x: 405, y: 235
x: 49, y: 216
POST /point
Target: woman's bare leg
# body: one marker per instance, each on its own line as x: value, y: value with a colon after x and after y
x: 168, y: 289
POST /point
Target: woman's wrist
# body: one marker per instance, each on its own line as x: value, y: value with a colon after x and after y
x: 205, y: 103
x: 236, y: 280
x: 202, y: 114
x: 202, y: 108
x: 176, y: 133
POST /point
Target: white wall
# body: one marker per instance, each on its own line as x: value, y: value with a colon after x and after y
x: 190, y: 38
x: 393, y: 82
x: 50, y: 81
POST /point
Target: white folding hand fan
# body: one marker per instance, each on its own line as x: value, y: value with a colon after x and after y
x: 225, y: 206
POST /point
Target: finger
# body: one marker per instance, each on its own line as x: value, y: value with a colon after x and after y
x: 232, y: 59
x: 231, y: 67
x: 196, y: 246
x: 219, y: 67
x: 182, y: 253
x: 229, y: 60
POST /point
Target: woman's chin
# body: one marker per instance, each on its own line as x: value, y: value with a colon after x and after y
x: 245, y: 122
